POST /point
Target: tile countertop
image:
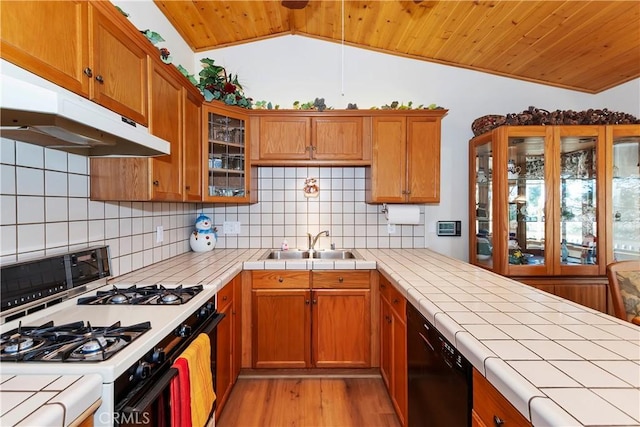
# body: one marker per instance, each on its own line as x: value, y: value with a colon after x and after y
x: 557, y: 362
x: 48, y: 400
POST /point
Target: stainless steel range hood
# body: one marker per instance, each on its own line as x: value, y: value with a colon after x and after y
x: 36, y: 111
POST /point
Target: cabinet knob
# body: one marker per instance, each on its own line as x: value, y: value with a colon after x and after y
x: 307, y: 148
x: 396, y: 300
x: 88, y: 72
x: 224, y: 298
x: 156, y: 183
x: 497, y: 421
x: 315, y: 301
x: 383, y: 286
x: 188, y: 187
x: 340, y: 279
x: 306, y: 301
x: 313, y: 148
x: 100, y: 79
x: 280, y: 279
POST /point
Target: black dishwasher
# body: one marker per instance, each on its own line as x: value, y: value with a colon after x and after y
x: 440, y: 393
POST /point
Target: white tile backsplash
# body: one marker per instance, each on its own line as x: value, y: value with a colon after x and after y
x: 46, y: 209
x: 282, y: 212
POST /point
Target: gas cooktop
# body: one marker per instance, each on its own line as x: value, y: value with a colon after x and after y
x: 144, y: 295
x: 73, y: 342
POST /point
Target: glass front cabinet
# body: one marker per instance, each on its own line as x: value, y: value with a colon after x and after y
x: 555, y: 202
x: 229, y: 177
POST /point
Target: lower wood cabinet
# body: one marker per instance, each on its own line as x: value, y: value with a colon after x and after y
x: 591, y: 292
x: 490, y: 408
x: 228, y: 342
x: 393, y: 346
x: 296, y: 325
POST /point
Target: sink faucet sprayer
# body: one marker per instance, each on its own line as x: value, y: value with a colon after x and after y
x: 312, y: 240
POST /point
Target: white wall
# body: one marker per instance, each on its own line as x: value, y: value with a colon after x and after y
x: 145, y: 15
x: 289, y: 68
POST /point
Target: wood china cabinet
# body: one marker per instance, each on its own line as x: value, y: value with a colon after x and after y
x: 228, y: 175
x: 88, y: 48
x: 298, y: 138
x: 405, y: 167
x: 551, y: 206
x: 299, y: 319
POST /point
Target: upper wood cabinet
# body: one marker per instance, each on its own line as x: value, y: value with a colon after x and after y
x: 161, y: 178
x: 310, y: 138
x: 88, y: 48
x: 405, y: 167
x: 49, y: 39
x: 230, y: 176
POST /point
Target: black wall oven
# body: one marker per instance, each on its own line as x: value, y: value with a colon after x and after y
x: 439, y: 377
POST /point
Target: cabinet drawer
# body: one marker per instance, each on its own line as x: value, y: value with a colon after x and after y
x: 339, y: 279
x: 224, y: 296
x: 490, y: 406
x: 280, y: 279
x: 393, y: 296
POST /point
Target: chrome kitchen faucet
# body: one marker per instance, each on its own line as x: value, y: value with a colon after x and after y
x: 312, y: 240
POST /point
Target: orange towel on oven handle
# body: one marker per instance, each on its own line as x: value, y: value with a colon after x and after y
x: 181, y: 395
x: 198, y: 357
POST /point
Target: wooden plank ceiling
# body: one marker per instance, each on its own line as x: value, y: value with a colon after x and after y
x: 588, y: 46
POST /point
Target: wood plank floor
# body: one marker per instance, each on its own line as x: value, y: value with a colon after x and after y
x: 308, y: 402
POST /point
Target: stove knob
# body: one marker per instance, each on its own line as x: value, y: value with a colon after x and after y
x: 143, y: 370
x: 158, y: 355
x: 204, y: 311
x: 183, y: 331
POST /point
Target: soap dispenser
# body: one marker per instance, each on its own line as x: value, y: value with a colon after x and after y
x: 285, y: 245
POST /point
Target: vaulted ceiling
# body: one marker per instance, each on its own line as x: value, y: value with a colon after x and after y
x: 588, y: 46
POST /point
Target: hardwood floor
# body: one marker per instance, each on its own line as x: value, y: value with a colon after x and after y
x: 308, y: 402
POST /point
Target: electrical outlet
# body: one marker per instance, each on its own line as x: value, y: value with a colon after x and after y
x: 231, y: 227
x: 391, y: 228
x: 159, y: 234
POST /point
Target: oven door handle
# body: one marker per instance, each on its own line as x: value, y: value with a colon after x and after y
x: 215, y: 320
x: 153, y: 393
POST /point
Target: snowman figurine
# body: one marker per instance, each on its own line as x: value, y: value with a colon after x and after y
x: 204, y: 237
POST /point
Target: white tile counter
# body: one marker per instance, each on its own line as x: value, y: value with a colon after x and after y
x: 48, y: 400
x: 557, y: 362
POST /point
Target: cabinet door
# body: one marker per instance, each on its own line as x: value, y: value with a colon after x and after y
x: 399, y: 369
x: 228, y: 177
x: 119, y: 68
x: 337, y: 138
x: 236, y: 315
x: 48, y: 39
x: 489, y: 405
x: 165, y: 122
x: 192, y: 143
x: 423, y: 151
x: 590, y: 295
x: 224, y: 378
x: 389, y: 163
x: 281, y: 328
x: 385, y: 342
x: 623, y: 193
x: 334, y: 345
x: 285, y: 138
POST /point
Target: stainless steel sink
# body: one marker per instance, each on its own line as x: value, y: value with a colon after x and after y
x: 337, y: 254
x: 290, y: 254
x: 303, y: 254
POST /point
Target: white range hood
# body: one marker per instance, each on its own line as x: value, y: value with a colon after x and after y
x: 36, y: 111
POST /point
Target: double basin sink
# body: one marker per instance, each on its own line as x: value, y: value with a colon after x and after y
x: 305, y: 254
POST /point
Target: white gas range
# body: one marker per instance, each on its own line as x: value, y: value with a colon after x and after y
x: 129, y: 336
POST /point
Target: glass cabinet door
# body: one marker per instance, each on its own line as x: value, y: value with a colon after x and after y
x: 625, y: 194
x: 226, y: 156
x: 526, y: 171
x: 579, y: 190
x: 484, y: 204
